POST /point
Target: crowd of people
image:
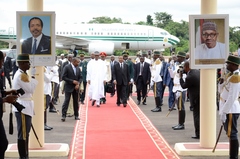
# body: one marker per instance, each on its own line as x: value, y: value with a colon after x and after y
x: 73, y: 75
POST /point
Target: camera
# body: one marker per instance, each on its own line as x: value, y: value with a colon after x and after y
x: 17, y: 105
x: 19, y: 91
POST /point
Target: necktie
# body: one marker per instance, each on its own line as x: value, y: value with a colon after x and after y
x: 141, y: 68
x: 34, y: 48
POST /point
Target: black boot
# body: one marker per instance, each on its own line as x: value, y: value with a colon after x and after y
x: 22, y: 149
x: 158, y: 107
x: 233, y: 149
x: 181, y: 120
x: 45, y: 122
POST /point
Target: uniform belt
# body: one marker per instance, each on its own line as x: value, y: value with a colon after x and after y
x: 177, y: 85
x: 25, y: 99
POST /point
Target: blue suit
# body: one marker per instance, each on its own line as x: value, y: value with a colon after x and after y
x: 162, y: 84
x: 168, y: 81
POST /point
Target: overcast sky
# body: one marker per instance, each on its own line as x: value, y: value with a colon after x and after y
x: 132, y: 11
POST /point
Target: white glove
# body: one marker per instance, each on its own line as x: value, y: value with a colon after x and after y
x: 33, y: 71
x: 172, y: 62
x: 177, y: 94
x: 151, y: 84
x: 223, y: 117
x: 131, y: 80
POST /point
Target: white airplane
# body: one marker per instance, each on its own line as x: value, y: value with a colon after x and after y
x: 105, y: 37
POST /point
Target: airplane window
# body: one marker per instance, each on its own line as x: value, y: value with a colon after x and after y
x: 73, y: 32
x: 57, y: 33
x: 63, y: 32
x: 77, y: 32
x: 114, y: 33
x: 70, y: 33
x: 117, y: 33
x: 60, y: 32
x: 121, y: 33
x: 101, y: 33
x: 111, y: 33
x: 85, y: 33
x: 134, y: 33
x: 124, y: 33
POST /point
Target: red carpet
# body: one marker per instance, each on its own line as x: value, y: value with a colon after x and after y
x: 113, y: 132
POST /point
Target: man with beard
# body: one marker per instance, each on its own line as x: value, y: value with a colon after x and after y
x: 38, y: 43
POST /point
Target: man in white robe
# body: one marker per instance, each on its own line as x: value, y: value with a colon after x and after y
x: 88, y: 66
x: 96, y: 77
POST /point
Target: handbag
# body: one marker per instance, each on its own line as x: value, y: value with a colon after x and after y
x: 110, y: 88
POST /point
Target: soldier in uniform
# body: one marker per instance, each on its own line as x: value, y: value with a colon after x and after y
x: 156, y: 81
x: 229, y: 108
x: 179, y: 92
x: 83, y: 67
x: 24, y: 118
x: 131, y: 72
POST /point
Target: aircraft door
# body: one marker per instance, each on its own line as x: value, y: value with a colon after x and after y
x: 11, y: 32
x: 150, y: 35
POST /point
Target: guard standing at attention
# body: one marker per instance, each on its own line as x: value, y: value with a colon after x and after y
x: 24, y: 118
x: 156, y: 81
x: 229, y: 108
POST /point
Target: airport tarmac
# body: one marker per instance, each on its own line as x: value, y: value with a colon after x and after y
x: 62, y: 131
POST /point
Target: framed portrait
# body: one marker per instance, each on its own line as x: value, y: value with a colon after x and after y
x: 209, y: 40
x: 36, y: 36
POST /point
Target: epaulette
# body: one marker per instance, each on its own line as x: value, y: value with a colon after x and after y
x: 157, y: 62
x: 24, y: 77
x: 235, y: 78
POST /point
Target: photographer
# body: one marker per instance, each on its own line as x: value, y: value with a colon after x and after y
x: 180, y: 93
x: 192, y: 83
x: 5, y: 96
x: 24, y: 117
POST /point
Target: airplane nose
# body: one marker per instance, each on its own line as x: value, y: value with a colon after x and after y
x: 175, y: 40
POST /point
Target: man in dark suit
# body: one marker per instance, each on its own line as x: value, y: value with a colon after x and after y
x: 72, y: 77
x: 38, y: 43
x: 192, y: 82
x: 112, y: 63
x: 142, y: 75
x: 83, y: 68
x: 7, y: 67
x: 121, y: 79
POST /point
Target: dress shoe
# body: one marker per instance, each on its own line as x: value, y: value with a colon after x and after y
x: 63, y: 119
x: 179, y: 127
x: 104, y: 102
x: 118, y: 104
x: 124, y: 105
x: 98, y: 105
x: 82, y: 102
x: 157, y: 109
x: 77, y: 118
x: 93, y: 102
x: 52, y: 110
x: 144, y: 103
x: 55, y: 103
x: 195, y: 137
x: 47, y: 127
x: 138, y: 103
x: 175, y: 126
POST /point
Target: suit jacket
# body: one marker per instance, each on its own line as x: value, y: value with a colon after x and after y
x: 122, y: 76
x: 68, y: 76
x: 44, y: 46
x: 166, y: 75
x: 146, y: 73
x: 192, y: 82
x: 83, y: 64
x: 7, y: 65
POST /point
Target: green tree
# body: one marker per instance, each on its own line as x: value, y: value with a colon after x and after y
x: 162, y: 19
x: 141, y: 23
x: 105, y: 20
x: 149, y: 20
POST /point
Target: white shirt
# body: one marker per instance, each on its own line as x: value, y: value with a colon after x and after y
x: 203, y: 52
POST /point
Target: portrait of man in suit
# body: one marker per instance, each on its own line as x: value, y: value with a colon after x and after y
x: 38, y: 43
